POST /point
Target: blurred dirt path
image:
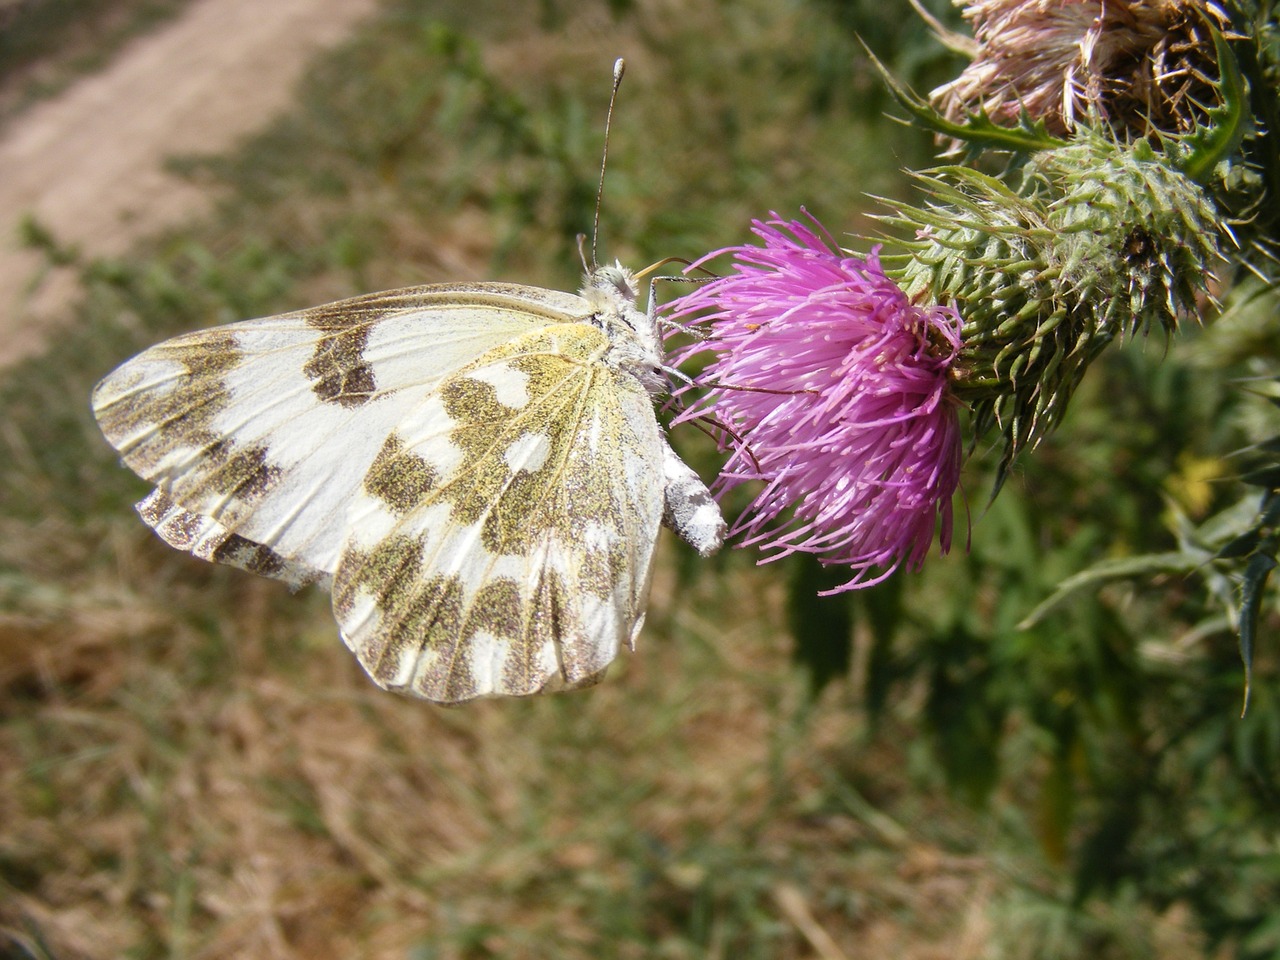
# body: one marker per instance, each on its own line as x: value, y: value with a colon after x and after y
x: 88, y: 164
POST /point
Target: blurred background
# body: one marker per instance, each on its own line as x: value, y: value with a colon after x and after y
x: 192, y: 766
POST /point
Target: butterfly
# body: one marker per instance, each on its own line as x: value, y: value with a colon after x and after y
x: 476, y: 471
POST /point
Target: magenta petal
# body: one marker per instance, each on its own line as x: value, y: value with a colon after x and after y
x: 837, y: 389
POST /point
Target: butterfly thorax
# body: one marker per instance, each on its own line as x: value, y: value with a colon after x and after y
x: 634, y: 345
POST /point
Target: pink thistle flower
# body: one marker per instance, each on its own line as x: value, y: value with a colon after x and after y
x: 835, y: 391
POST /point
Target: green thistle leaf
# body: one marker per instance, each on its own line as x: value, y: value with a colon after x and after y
x: 1143, y: 567
x: 1199, y: 153
x: 1256, y: 574
x: 979, y: 130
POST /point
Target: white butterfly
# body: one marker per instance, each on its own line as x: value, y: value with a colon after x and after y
x: 475, y: 470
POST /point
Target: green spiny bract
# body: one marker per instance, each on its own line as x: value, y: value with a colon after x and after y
x: 1096, y: 241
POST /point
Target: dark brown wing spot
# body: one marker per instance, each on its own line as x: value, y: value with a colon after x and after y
x: 338, y: 370
x: 244, y: 473
x: 399, y: 478
x: 241, y: 552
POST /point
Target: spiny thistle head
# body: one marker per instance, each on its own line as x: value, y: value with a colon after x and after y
x: 834, y: 390
x: 1142, y: 239
x: 1096, y: 240
x: 1135, y: 66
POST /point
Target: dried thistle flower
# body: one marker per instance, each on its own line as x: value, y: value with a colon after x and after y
x: 835, y: 390
x: 1136, y: 66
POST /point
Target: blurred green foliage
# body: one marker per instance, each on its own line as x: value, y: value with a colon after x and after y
x: 1116, y: 710
x: 1103, y: 740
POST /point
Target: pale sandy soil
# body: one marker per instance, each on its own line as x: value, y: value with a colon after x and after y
x: 88, y: 165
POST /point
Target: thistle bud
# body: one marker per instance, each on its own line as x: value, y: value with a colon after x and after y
x: 1097, y: 240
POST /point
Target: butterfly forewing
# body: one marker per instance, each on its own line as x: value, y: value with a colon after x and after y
x: 505, y: 544
x: 259, y: 434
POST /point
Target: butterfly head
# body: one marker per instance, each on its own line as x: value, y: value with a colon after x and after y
x: 611, y: 293
x: 615, y: 282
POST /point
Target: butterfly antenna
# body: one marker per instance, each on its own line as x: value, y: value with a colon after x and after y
x: 619, y: 66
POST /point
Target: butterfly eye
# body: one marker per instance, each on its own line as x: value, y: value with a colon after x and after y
x: 615, y: 279
x: 626, y: 287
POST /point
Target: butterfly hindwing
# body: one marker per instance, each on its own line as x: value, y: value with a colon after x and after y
x: 506, y: 544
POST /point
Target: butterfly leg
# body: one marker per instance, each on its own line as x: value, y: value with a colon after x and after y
x: 690, y: 509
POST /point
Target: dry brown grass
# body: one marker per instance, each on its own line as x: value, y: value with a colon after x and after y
x: 237, y: 788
